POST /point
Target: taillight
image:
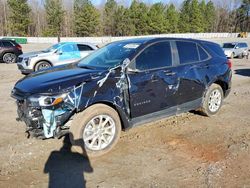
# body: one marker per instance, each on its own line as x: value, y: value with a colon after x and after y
x: 19, y: 47
x: 229, y: 63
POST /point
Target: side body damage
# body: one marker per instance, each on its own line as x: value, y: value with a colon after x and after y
x: 49, y: 115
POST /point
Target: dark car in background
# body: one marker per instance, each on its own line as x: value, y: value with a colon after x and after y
x: 9, y: 51
x: 121, y: 85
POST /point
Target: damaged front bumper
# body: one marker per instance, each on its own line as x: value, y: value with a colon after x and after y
x: 44, y: 122
x: 47, y: 116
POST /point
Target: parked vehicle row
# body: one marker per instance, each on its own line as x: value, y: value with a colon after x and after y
x: 58, y: 54
x: 121, y: 85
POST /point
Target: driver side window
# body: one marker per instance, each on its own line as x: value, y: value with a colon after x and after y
x: 68, y: 48
x: 155, y: 56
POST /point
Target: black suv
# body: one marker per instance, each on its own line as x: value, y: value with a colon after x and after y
x: 121, y: 85
x: 9, y: 51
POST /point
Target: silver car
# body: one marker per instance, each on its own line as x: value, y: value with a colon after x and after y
x: 58, y: 54
x: 235, y: 49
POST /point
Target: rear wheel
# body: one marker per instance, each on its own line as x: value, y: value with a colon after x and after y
x: 95, y: 131
x: 213, y: 100
x: 42, y: 65
x: 241, y: 56
x: 9, y: 58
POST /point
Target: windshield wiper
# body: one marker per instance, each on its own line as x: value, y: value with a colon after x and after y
x: 86, y: 67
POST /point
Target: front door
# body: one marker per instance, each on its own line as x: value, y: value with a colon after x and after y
x: 152, y: 80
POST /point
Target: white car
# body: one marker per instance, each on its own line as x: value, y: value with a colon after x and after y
x: 58, y: 54
x: 235, y: 49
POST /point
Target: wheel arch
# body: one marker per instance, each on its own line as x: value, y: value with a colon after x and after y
x: 123, y: 117
x: 223, y: 85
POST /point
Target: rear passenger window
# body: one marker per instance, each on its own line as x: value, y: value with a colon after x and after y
x: 187, y: 52
x: 82, y: 47
x: 155, y: 56
x: 7, y: 44
x: 202, y: 53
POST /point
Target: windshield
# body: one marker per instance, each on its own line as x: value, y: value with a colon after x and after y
x: 110, y: 55
x: 228, y: 45
x: 53, y: 48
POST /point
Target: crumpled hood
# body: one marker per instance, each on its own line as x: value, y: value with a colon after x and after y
x: 34, y: 54
x: 56, y: 79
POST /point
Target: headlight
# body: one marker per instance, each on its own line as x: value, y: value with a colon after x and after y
x: 26, y: 60
x: 42, y: 100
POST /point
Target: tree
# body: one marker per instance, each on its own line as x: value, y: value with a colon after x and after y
x: 3, y: 18
x: 19, y: 19
x: 86, y: 19
x: 139, y: 17
x: 173, y: 17
x: 109, y: 19
x: 184, y: 21
x: 54, y: 18
x: 202, y: 7
x: 157, y: 21
x: 210, y: 17
x: 243, y: 16
x: 123, y: 22
x: 196, y: 24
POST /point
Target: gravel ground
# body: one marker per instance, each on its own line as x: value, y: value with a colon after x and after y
x: 188, y: 150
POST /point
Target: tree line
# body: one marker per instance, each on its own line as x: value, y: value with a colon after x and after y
x: 82, y: 18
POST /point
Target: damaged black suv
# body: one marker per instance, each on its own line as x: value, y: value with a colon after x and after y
x: 121, y: 85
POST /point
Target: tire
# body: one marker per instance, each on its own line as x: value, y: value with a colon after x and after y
x: 241, y: 56
x: 86, y: 122
x: 41, y: 65
x: 9, y: 58
x: 210, y: 107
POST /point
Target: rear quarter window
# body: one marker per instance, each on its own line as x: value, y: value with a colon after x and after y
x: 7, y: 44
x: 83, y: 47
x: 187, y: 51
x: 202, y: 53
x: 215, y: 48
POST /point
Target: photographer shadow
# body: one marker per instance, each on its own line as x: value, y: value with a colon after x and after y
x: 66, y: 168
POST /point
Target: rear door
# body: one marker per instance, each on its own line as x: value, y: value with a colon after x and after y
x: 193, y: 65
x: 152, y: 80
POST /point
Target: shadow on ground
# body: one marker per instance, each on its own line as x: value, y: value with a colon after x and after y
x: 66, y: 168
x: 243, y: 72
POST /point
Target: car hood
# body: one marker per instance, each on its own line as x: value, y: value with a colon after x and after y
x: 34, y: 54
x: 56, y: 79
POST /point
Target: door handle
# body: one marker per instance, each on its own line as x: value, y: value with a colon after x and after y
x: 169, y: 73
x: 154, y: 78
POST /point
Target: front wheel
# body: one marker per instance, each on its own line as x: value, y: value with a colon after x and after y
x: 9, y: 58
x: 95, y: 131
x: 42, y: 65
x: 213, y: 100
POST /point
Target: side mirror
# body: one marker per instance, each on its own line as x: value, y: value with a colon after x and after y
x: 237, y: 47
x: 125, y: 63
x: 59, y: 52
